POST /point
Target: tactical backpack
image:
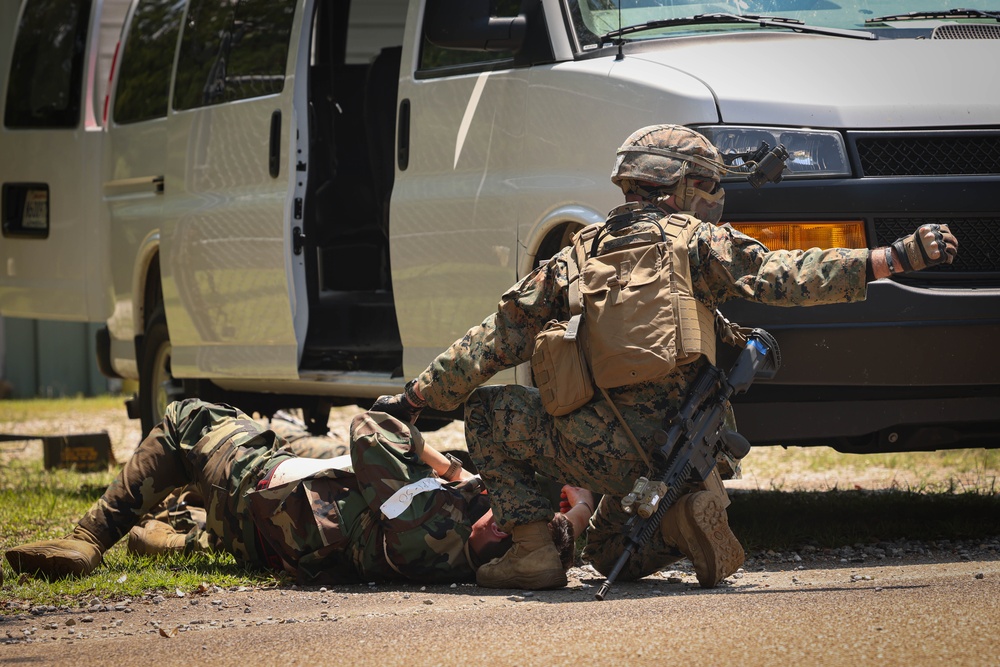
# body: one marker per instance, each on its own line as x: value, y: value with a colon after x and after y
x: 631, y: 305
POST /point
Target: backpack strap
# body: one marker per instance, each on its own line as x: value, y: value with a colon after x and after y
x: 628, y: 431
x: 675, y: 223
x: 574, y: 261
x: 729, y: 332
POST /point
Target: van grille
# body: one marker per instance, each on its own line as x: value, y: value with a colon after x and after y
x: 966, y: 31
x: 978, y: 239
x: 929, y: 155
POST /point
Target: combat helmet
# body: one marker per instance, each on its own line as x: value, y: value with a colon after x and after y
x: 664, y: 154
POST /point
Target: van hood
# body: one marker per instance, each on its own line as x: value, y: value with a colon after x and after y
x: 833, y: 82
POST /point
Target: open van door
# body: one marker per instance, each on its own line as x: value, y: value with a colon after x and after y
x: 230, y: 253
x: 54, y: 251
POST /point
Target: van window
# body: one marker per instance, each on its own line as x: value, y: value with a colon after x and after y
x: 144, y: 79
x: 46, y: 69
x: 456, y: 61
x: 232, y: 51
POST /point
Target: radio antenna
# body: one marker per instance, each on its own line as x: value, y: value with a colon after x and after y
x: 621, y: 39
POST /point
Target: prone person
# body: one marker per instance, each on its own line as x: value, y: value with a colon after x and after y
x: 401, y: 510
x: 671, y: 178
x: 177, y: 523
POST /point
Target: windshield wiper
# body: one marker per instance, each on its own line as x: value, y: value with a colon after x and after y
x: 943, y: 14
x: 703, y: 19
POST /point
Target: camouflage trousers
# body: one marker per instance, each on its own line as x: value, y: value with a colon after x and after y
x: 511, y: 438
x: 184, y: 508
x: 217, y: 448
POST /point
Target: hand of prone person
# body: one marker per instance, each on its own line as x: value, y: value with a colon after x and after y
x: 930, y: 245
x: 571, y: 496
x: 405, y: 407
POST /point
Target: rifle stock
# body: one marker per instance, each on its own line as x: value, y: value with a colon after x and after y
x: 688, y: 448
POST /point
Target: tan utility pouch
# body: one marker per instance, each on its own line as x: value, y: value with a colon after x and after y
x: 559, y: 361
x: 560, y: 369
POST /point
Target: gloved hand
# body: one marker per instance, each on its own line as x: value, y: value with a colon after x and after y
x: 930, y: 245
x: 405, y: 407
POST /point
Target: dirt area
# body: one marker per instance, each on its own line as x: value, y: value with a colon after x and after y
x: 936, y: 608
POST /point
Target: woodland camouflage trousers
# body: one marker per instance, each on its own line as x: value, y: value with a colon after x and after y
x: 219, y: 449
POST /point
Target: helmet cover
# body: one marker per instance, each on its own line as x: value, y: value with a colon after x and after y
x: 664, y: 154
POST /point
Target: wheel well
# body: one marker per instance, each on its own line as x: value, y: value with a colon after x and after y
x: 152, y: 295
x: 555, y: 240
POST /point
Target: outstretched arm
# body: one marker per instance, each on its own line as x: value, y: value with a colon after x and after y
x: 577, y: 505
x: 442, y: 465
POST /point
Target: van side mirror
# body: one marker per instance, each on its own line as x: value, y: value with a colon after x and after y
x: 468, y: 25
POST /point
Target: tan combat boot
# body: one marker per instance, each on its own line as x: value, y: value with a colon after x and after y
x: 77, y: 554
x: 532, y: 563
x: 699, y: 526
x: 155, y: 537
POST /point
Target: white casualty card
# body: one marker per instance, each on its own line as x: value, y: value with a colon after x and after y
x: 399, y: 501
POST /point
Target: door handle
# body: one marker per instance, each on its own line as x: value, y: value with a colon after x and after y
x: 134, y: 186
x: 274, y: 151
x: 403, y: 133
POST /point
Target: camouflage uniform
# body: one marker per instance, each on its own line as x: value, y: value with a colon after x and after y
x: 184, y: 509
x: 299, y: 441
x: 326, y: 527
x: 511, y: 436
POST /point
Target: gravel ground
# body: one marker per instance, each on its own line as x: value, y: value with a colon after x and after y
x: 133, y: 624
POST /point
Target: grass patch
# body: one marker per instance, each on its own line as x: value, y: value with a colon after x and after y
x: 57, y: 408
x: 810, y: 468
x: 959, y: 460
x: 36, y: 504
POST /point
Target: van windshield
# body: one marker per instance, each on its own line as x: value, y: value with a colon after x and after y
x: 593, y: 19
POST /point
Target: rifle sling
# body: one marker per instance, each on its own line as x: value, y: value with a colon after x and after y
x: 628, y: 431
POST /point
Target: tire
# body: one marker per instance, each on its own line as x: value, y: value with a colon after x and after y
x: 157, y: 386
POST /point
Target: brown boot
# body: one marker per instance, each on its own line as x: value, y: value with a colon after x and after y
x: 532, y: 563
x: 699, y: 526
x: 77, y: 554
x: 155, y: 537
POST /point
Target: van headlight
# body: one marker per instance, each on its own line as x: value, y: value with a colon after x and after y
x: 811, y: 153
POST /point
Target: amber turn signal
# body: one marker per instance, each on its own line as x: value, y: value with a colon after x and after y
x: 805, y: 235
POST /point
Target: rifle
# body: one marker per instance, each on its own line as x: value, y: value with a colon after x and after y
x: 690, y: 442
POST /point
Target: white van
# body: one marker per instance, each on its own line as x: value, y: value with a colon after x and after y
x: 301, y: 202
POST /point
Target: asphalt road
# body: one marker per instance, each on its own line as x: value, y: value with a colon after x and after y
x: 929, y: 612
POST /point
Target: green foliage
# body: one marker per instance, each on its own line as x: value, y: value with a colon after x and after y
x: 21, y: 410
x: 36, y: 504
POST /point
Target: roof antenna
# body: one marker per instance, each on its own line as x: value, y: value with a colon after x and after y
x: 621, y: 40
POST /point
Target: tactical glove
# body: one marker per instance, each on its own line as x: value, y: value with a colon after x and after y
x: 405, y: 407
x: 930, y: 245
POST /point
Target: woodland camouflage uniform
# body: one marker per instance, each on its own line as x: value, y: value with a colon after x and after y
x: 511, y: 436
x: 326, y: 527
x: 184, y: 509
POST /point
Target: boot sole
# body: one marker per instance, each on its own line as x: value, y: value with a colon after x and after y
x: 720, y: 550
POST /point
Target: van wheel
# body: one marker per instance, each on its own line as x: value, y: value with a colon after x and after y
x: 157, y: 386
